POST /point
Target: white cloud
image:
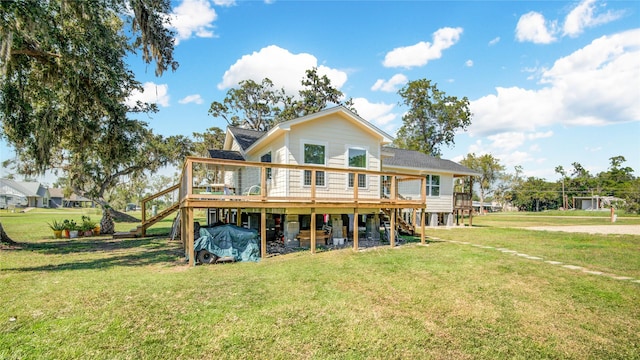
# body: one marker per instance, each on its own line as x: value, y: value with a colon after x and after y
x: 152, y: 93
x: 468, y: 63
x: 420, y: 53
x: 193, y: 18
x: 379, y: 114
x: 507, y: 155
x: 494, y: 41
x: 583, y: 16
x: 596, y: 85
x: 391, y: 85
x: 225, y: 3
x: 540, y: 135
x: 280, y: 66
x: 533, y: 27
x: 195, y: 98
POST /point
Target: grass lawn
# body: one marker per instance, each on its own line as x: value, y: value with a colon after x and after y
x: 136, y: 299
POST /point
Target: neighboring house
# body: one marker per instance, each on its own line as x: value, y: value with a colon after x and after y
x: 22, y: 193
x: 56, y: 197
x: 331, y: 167
x: 59, y: 200
x: 595, y: 202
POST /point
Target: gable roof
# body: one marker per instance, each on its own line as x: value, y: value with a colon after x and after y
x: 56, y: 193
x: 245, y: 137
x: 411, y: 159
x: 259, y: 136
x: 26, y: 188
x: 226, y: 155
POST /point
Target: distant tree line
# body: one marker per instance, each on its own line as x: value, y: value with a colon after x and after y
x: 537, y: 194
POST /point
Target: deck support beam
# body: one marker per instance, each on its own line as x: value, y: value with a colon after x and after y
x: 189, y: 236
x: 392, y: 230
x: 263, y: 233
x: 422, y: 235
x: 313, y: 230
x: 355, y: 229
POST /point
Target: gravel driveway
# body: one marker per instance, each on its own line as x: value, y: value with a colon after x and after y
x: 592, y: 229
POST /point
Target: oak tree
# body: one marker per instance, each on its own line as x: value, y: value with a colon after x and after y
x: 432, y: 118
x: 64, y: 82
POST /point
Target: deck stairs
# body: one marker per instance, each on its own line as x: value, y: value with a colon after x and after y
x: 140, y: 230
x: 404, y: 226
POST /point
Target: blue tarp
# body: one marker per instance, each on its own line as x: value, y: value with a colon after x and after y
x: 229, y: 240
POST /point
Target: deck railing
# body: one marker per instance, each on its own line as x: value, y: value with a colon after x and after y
x: 212, y: 182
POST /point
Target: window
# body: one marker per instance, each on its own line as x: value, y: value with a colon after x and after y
x: 362, y: 180
x: 266, y: 158
x: 433, y: 185
x: 314, y: 154
x: 357, y: 159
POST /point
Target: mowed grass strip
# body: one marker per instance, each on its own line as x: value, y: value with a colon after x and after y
x: 136, y: 299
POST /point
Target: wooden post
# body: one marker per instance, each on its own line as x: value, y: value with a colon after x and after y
x: 263, y: 183
x: 355, y: 229
x: 414, y: 217
x: 144, y: 218
x: 183, y: 231
x: 313, y: 187
x: 189, y: 236
x: 263, y: 233
x: 392, y: 230
x: 355, y: 187
x: 239, y: 217
x: 313, y: 230
x: 422, y: 235
x: 393, y: 189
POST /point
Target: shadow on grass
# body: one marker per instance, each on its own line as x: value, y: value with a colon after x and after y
x: 80, y: 245
x: 114, y: 253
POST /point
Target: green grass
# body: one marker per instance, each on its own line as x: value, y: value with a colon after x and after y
x: 137, y: 299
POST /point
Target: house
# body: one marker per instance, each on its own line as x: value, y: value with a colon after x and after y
x: 58, y: 199
x: 331, y: 168
x: 22, y: 194
x: 595, y: 202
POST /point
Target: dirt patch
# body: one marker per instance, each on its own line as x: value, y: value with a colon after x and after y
x: 592, y: 229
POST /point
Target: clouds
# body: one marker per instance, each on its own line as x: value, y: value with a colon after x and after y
x: 379, y: 114
x: 391, y: 85
x: 421, y: 53
x: 533, y: 27
x: 152, y: 93
x: 583, y: 16
x: 191, y: 99
x: 194, y: 18
x: 282, y: 67
x: 593, y: 86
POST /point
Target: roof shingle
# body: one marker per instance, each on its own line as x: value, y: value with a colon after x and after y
x: 415, y: 159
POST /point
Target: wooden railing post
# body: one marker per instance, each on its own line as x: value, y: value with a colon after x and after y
x: 263, y: 183
x: 394, y: 191
x: 313, y: 186
x: 355, y: 187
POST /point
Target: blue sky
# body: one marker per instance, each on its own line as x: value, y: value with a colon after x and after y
x: 550, y: 82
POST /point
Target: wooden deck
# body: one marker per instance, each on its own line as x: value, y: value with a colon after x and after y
x: 245, y: 186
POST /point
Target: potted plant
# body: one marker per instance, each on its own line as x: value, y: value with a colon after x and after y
x: 66, y: 225
x: 87, y: 226
x: 57, y: 227
x: 72, y: 227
